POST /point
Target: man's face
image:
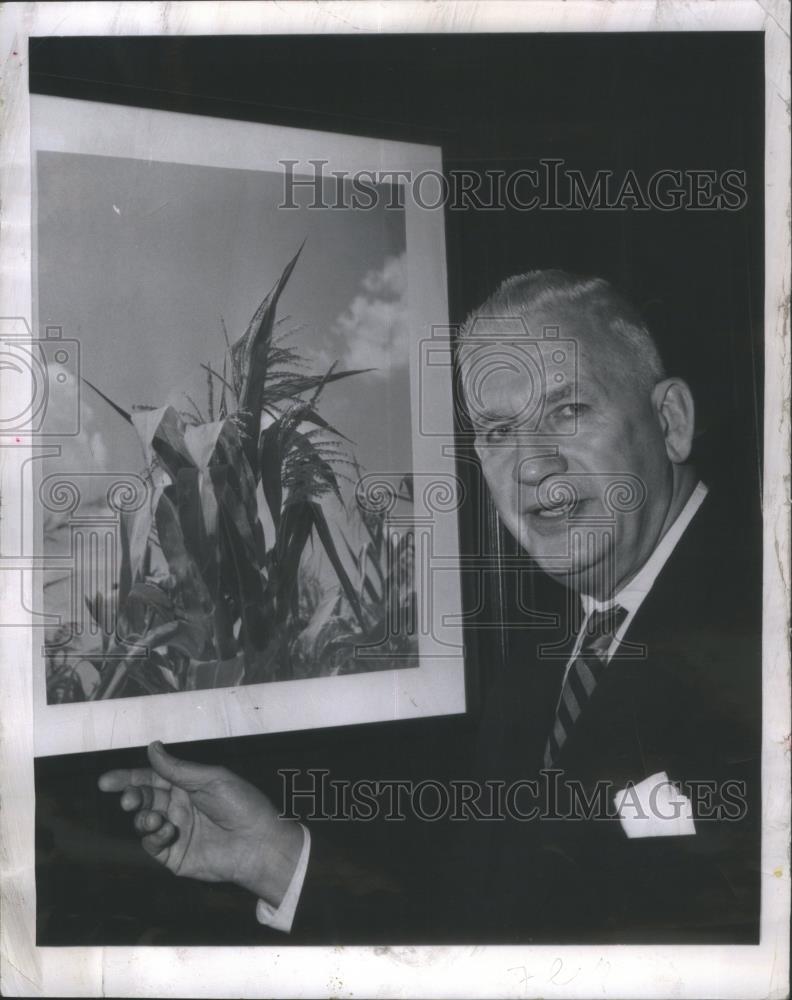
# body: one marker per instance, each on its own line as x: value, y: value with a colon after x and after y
x: 555, y: 442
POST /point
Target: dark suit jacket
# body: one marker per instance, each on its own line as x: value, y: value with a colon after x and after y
x: 690, y: 706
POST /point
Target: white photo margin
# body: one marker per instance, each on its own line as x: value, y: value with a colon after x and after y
x: 760, y: 971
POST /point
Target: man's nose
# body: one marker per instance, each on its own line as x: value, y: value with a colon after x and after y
x: 531, y: 468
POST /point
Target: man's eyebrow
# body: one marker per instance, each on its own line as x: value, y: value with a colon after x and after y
x: 488, y: 416
x: 566, y: 391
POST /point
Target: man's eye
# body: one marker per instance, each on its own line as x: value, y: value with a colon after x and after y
x: 498, y: 434
x: 569, y: 411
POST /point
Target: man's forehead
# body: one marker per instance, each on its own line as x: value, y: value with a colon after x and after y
x: 510, y: 362
x: 560, y: 338
x: 564, y: 320
x: 496, y: 391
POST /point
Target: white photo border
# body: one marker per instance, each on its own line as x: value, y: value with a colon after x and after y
x: 759, y: 971
x: 436, y: 686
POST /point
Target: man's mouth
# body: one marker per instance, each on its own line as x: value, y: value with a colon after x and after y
x: 553, y: 511
x: 547, y: 513
x: 552, y: 500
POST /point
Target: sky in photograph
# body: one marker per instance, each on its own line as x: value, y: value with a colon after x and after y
x: 139, y: 260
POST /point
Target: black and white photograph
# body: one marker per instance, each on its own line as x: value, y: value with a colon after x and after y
x: 244, y: 511
x: 395, y: 543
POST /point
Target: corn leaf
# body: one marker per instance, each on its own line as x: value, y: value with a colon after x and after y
x: 95, y: 608
x: 152, y: 596
x: 270, y: 456
x: 241, y: 478
x: 407, y: 487
x: 161, y: 433
x: 296, y: 525
x: 139, y: 532
x: 190, y: 504
x: 307, y: 474
x: 189, y: 637
x: 292, y: 386
x: 207, y: 502
x: 149, y: 677
x: 326, y: 538
x: 201, y: 441
x: 121, y: 412
x: 375, y: 557
x: 248, y: 586
x: 251, y: 352
x: 125, y: 568
x: 219, y: 673
x: 352, y: 555
x: 194, y: 594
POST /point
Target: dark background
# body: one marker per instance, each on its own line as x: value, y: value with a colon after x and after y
x: 639, y: 101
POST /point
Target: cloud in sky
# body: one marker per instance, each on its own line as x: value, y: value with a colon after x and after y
x: 374, y: 327
x: 88, y: 450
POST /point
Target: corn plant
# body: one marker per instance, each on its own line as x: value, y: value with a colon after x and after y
x: 384, y: 580
x: 204, y: 598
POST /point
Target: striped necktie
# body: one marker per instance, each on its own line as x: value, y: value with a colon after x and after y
x: 583, y: 676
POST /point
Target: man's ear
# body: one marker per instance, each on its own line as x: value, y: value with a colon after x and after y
x: 676, y: 411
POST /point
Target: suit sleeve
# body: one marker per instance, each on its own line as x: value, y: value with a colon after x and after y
x: 351, y: 895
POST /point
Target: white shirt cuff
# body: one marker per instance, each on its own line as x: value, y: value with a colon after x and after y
x: 282, y: 918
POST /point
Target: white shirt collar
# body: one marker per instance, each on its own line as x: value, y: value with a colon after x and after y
x: 633, y: 592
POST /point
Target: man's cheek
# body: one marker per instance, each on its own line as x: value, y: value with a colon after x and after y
x: 507, y: 498
x: 497, y: 471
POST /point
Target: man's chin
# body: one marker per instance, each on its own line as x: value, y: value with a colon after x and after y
x: 568, y: 556
x: 548, y: 541
x: 571, y: 579
x: 582, y: 577
x: 544, y: 538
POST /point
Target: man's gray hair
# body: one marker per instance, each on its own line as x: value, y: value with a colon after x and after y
x: 633, y: 351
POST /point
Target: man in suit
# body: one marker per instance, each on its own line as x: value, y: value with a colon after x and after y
x: 649, y: 708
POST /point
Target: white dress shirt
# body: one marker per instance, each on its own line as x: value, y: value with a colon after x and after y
x: 632, y: 594
x: 282, y: 918
x: 630, y: 597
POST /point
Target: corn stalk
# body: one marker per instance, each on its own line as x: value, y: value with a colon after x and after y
x: 225, y: 608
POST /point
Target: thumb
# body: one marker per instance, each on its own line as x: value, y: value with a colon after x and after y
x: 183, y: 773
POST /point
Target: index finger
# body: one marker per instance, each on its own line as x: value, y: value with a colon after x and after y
x: 118, y: 780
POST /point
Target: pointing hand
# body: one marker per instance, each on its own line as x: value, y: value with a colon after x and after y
x: 207, y: 823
